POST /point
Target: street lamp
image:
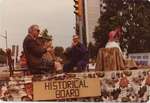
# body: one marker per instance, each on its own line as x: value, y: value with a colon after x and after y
x: 5, y: 37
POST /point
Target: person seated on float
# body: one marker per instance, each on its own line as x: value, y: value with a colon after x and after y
x: 78, y: 56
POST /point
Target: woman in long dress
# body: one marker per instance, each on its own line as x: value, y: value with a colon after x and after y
x: 113, y: 41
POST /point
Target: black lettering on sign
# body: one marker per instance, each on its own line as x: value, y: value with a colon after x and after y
x: 64, y: 85
x: 57, y: 93
x: 60, y: 93
x: 69, y: 85
x: 77, y: 93
x: 59, y: 85
x: 82, y: 84
x: 85, y: 84
x: 75, y: 84
x: 67, y: 93
x: 55, y: 87
x: 66, y: 89
x: 74, y: 92
x: 48, y: 86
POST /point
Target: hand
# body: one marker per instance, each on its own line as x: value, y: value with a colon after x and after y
x: 49, y: 49
x: 58, y: 66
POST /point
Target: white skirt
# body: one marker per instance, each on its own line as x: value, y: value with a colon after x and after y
x: 113, y: 44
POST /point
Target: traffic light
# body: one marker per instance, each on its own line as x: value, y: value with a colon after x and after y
x: 78, y: 7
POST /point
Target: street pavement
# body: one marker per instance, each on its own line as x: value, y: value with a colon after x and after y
x: 5, y: 74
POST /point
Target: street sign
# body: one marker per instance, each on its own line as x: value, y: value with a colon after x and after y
x: 62, y: 89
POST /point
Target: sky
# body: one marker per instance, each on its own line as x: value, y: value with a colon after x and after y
x: 55, y: 15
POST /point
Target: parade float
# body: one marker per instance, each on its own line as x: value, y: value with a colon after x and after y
x: 115, y: 79
x: 117, y: 86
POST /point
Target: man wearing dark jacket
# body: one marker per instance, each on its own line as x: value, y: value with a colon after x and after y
x: 34, y: 52
x: 78, y: 55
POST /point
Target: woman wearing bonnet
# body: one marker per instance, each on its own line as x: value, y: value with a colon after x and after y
x: 114, y: 37
x: 46, y: 41
x: 113, y: 42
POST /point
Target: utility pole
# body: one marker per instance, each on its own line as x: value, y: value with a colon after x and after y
x: 80, y: 29
x: 5, y: 37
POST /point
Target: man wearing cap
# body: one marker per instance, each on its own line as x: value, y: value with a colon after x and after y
x: 78, y: 55
x: 34, y: 52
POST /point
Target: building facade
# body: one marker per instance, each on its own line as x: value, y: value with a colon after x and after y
x: 88, y: 19
x: 92, y: 14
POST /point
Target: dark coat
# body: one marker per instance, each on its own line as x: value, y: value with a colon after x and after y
x: 78, y: 53
x: 33, y: 52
